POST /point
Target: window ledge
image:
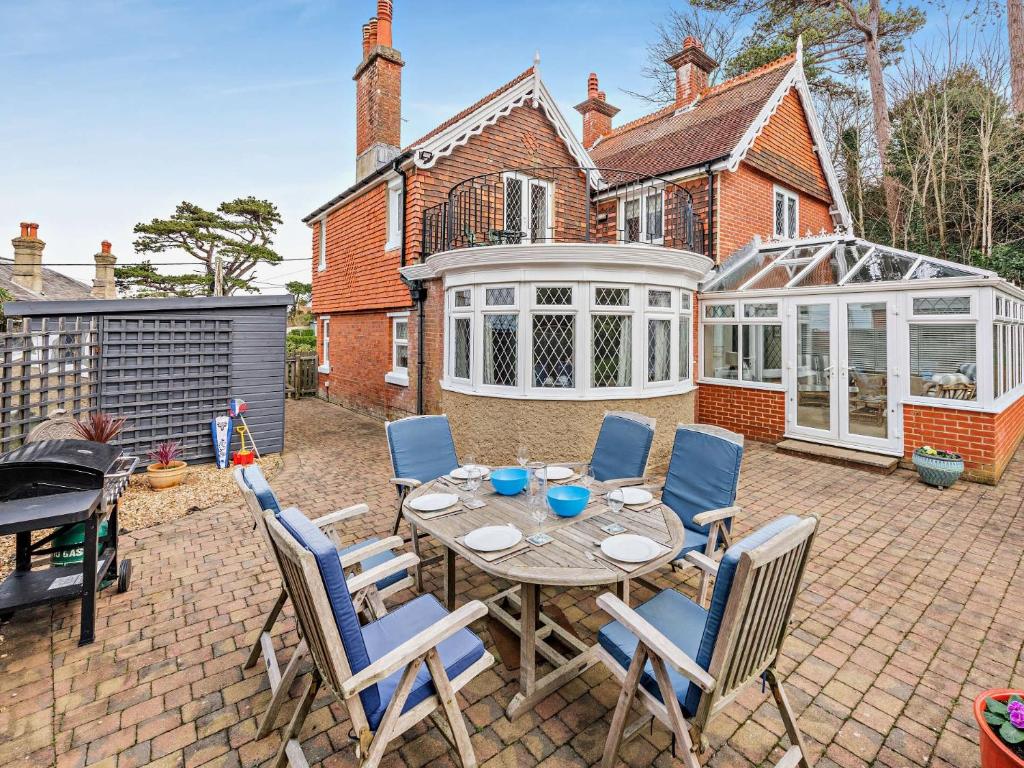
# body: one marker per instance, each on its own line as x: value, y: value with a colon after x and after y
x: 399, y: 379
x: 392, y: 246
x: 323, y: 368
x: 682, y: 388
x: 744, y: 384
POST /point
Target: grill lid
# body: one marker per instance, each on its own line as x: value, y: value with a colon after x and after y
x: 71, y: 454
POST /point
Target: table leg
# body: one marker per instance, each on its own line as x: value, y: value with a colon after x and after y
x: 88, y: 626
x: 529, y: 599
x: 449, y: 578
x: 622, y: 590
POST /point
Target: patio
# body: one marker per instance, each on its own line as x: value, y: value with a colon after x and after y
x: 911, y: 605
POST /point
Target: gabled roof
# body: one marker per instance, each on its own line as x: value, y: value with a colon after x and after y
x: 56, y: 285
x: 710, y: 130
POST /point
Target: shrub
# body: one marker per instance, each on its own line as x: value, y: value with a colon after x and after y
x: 99, y: 427
x: 165, y: 453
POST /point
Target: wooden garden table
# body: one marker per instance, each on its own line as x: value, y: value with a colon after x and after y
x: 572, y: 559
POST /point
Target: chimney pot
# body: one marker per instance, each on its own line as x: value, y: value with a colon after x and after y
x: 692, y: 66
x: 28, y: 258
x: 373, y: 32
x: 105, y: 246
x: 592, y: 86
x: 104, y: 285
x: 597, y: 113
x: 366, y: 40
x: 24, y: 228
x: 33, y: 231
x: 384, y: 22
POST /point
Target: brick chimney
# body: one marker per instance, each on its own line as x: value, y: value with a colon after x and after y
x: 28, y: 258
x: 378, y: 95
x: 103, y: 285
x: 597, y: 113
x: 692, y: 66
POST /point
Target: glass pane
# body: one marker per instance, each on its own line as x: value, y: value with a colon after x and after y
x: 631, y: 214
x: 684, y: 300
x: 814, y: 378
x: 712, y: 311
x: 538, y: 213
x: 500, y: 357
x: 402, y: 330
x: 658, y: 298
x: 779, y: 275
x: 780, y: 214
x: 553, y: 350
x: 463, y: 298
x: 659, y: 353
x: 684, y: 347
x: 791, y: 216
x: 927, y: 270
x: 513, y: 205
x: 611, y: 297
x: 881, y: 266
x: 748, y: 266
x: 501, y: 297
x: 611, y: 346
x: 654, y: 216
x: 867, y: 358
x: 462, y: 347
x: 763, y: 309
x: 559, y: 296
x: 762, y: 353
x: 401, y: 355
x: 942, y: 305
x: 721, y: 351
x: 943, y: 361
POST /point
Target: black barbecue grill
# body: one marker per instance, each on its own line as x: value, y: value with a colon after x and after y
x: 61, y: 484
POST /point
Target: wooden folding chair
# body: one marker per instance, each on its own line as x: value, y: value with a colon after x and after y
x: 382, y: 574
x: 684, y: 664
x: 391, y: 673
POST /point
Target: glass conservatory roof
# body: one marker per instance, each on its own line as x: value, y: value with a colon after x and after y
x: 825, y: 261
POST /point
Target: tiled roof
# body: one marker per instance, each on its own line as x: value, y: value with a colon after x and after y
x: 470, y: 109
x: 666, y: 141
x: 55, y: 285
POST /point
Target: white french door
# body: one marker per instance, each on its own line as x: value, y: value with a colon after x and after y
x: 842, y: 373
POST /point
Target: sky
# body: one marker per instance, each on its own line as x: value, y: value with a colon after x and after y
x: 114, y: 111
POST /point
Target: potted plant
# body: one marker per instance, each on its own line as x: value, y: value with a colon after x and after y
x: 1000, y: 716
x: 99, y: 427
x: 166, y: 471
x: 938, y: 468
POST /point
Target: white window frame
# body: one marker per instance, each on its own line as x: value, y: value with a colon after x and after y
x: 739, y: 320
x: 787, y: 194
x: 395, y: 214
x: 685, y: 318
x: 526, y: 340
x: 321, y: 263
x: 528, y: 183
x: 454, y: 313
x: 398, y: 375
x: 642, y: 199
x: 325, y: 344
x: 985, y: 376
x: 477, y: 353
x: 670, y: 313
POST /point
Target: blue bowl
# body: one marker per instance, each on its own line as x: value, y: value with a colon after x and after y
x: 568, y: 500
x: 508, y: 481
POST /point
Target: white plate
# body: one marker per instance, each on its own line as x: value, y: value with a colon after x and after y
x: 491, y: 538
x: 558, y: 473
x: 432, y: 502
x: 635, y: 496
x: 630, y: 548
x: 462, y: 473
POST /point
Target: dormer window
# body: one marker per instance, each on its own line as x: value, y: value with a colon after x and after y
x: 643, y: 217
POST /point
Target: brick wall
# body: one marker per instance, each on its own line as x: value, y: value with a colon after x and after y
x: 759, y: 414
x: 785, y: 151
x: 987, y: 441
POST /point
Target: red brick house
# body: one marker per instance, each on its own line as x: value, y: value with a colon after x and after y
x: 523, y: 278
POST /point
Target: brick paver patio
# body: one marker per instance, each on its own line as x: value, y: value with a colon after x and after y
x: 914, y: 601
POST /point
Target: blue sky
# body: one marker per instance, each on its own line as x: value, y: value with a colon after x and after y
x: 113, y: 111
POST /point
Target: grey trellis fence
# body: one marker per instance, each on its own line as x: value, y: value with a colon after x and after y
x: 167, y: 365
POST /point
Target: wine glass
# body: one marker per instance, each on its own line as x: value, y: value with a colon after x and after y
x: 473, y: 475
x: 587, y: 475
x: 615, y: 499
x: 523, y: 455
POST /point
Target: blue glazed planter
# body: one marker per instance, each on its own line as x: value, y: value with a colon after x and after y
x: 937, y: 471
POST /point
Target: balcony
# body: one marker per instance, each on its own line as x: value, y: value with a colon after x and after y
x: 554, y: 204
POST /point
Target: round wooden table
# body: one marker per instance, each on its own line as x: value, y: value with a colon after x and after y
x: 572, y: 559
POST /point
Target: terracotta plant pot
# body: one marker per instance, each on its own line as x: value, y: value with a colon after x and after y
x: 994, y: 751
x: 163, y: 476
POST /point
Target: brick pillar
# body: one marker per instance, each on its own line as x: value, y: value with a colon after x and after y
x: 378, y: 95
x: 28, y: 258
x: 692, y: 66
x: 104, y: 285
x: 597, y: 113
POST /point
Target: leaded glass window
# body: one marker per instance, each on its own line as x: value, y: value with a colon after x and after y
x: 611, y: 297
x: 500, y: 350
x: 659, y: 353
x: 611, y: 348
x: 462, y: 333
x: 554, y: 351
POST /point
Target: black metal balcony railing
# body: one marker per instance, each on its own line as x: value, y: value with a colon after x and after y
x: 563, y: 205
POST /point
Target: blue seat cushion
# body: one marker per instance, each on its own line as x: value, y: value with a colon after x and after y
x: 622, y: 448
x: 678, y: 618
x: 695, y: 541
x: 458, y: 652
x: 254, y: 478
x: 374, y: 560
x: 703, y: 473
x: 421, y: 447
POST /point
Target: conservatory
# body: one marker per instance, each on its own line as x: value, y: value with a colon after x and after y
x: 844, y: 342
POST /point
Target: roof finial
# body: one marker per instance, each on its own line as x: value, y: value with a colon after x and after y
x: 536, y: 58
x: 800, y: 50
x: 536, y: 78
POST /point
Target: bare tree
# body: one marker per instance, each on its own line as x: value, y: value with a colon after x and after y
x: 1015, y: 31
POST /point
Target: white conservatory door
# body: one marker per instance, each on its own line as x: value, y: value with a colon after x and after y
x: 841, y: 387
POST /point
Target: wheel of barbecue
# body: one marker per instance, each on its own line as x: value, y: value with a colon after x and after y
x: 124, y: 576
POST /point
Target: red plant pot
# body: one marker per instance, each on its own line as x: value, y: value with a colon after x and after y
x: 994, y: 753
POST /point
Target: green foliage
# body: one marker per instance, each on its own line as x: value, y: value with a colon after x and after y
x: 300, y: 340
x: 5, y: 295
x: 302, y: 292
x: 997, y: 715
x: 240, y: 232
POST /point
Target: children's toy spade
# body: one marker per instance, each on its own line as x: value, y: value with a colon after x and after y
x: 237, y: 408
x: 243, y: 455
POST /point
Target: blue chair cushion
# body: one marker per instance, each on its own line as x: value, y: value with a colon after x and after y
x: 694, y: 541
x: 703, y: 473
x: 257, y: 482
x: 678, y: 618
x: 375, y: 560
x: 622, y: 448
x: 421, y: 447
x: 315, y: 541
x: 458, y: 652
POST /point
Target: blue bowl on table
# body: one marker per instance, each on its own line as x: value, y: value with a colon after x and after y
x: 568, y: 500
x: 508, y: 481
